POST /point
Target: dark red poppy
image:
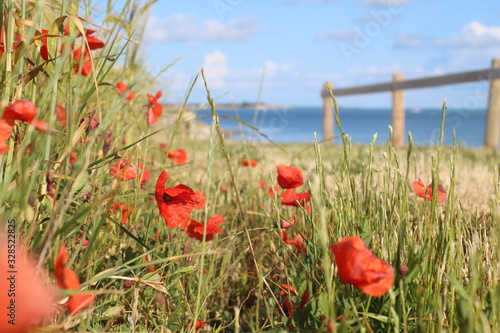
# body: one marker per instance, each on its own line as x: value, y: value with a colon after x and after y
x: 44, y: 52
x: 248, y: 162
x: 357, y: 265
x: 199, y: 200
x: 122, y: 170
x: 195, y: 229
x: 178, y: 156
x: 289, y: 177
x: 122, y: 88
x: 155, y: 109
x: 422, y: 191
x: 174, y: 203
x: 67, y: 279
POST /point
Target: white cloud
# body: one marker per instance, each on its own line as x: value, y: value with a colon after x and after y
x: 182, y: 27
x: 338, y: 34
x: 405, y: 40
x: 474, y: 35
x: 275, y: 69
x: 215, y: 68
x: 383, y: 3
x: 374, y: 70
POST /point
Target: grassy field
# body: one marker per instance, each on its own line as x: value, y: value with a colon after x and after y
x: 91, y: 176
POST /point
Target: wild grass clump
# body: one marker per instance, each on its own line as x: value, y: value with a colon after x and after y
x: 89, y: 181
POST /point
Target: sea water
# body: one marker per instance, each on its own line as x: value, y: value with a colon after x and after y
x: 298, y: 125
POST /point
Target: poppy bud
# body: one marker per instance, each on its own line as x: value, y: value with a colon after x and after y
x: 108, y: 139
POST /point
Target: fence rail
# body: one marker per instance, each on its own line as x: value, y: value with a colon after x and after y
x: 398, y: 85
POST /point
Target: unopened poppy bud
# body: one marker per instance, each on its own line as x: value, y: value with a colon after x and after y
x: 50, y: 183
x: 403, y: 271
x: 108, y: 139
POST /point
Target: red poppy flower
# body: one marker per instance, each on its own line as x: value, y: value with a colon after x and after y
x: 419, y: 188
x: 178, y: 156
x: 84, y: 242
x: 124, y: 209
x: 357, y: 265
x: 81, y: 57
x: 34, y: 299
x: 72, y: 156
x: 248, y: 162
x: 67, y: 279
x: 272, y: 191
x: 290, y: 198
x: 298, y: 242
x: 94, y: 43
x: 199, y: 200
x: 155, y: 109
x: 289, y: 177
x: 18, y: 110
x: 174, y: 203
x: 122, y: 87
x: 287, y: 289
x: 122, y: 170
x: 195, y: 229
x: 61, y: 114
x: 16, y: 43
x: 223, y: 189
x: 288, y: 307
x: 199, y: 324
x: 44, y: 52
x: 284, y: 224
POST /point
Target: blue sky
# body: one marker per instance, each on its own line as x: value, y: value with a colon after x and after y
x: 303, y: 43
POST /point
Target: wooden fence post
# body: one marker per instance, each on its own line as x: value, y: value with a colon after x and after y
x: 398, y: 113
x: 492, y: 130
x: 327, y: 114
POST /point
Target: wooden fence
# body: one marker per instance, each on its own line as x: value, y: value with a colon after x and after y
x: 398, y: 85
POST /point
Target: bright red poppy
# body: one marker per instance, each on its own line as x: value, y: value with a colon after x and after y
x: 357, y: 265
x: 124, y: 210
x: 122, y: 170
x: 67, y: 279
x: 195, y: 229
x: 248, y: 162
x: 34, y: 299
x: 81, y: 57
x: 122, y: 88
x: 290, y: 198
x: 199, y: 200
x: 199, y: 324
x: 18, y: 110
x: 289, y: 177
x: 422, y: 191
x: 155, y: 109
x: 174, y: 203
x: 72, y: 156
x: 287, y: 289
x: 178, y: 156
x: 298, y: 242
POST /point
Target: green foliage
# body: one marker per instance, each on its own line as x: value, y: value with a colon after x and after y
x: 147, y: 277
